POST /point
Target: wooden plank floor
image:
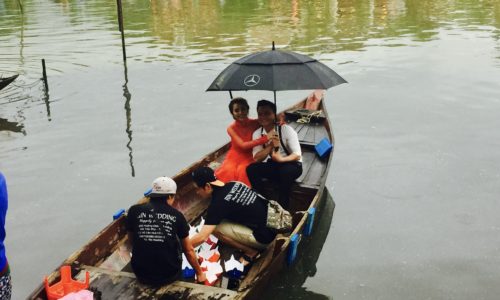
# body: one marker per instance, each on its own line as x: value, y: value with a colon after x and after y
x: 123, y: 285
x: 313, y: 169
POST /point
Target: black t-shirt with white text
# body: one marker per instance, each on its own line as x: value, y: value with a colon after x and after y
x: 157, y: 229
x: 238, y: 203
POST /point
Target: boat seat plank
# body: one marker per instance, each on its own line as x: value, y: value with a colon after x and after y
x: 123, y: 285
x: 309, y: 134
x: 301, y: 130
x: 320, y: 133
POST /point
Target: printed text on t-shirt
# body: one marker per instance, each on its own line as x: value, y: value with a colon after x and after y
x: 241, y: 194
x: 149, y: 226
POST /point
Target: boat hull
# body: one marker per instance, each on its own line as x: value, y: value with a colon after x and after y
x: 4, y: 82
x: 104, y: 257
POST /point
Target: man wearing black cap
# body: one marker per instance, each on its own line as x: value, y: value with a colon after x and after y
x: 236, y: 214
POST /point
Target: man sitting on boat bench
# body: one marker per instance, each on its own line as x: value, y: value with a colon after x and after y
x: 157, y: 231
x: 236, y: 215
x: 280, y: 160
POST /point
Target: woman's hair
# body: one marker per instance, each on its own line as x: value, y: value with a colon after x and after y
x: 238, y: 100
x: 264, y: 103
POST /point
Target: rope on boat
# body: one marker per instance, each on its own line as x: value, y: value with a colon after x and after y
x: 307, y: 118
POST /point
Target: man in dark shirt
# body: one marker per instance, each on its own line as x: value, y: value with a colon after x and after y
x: 157, y: 231
x: 236, y: 215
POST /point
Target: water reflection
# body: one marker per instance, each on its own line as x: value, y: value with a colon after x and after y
x: 46, y: 99
x: 22, y: 95
x: 217, y: 30
x: 211, y: 29
x: 128, y: 116
x: 232, y: 28
x: 6, y: 125
x: 289, y: 283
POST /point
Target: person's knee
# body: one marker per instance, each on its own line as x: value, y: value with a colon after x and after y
x: 289, y: 173
x: 218, y: 234
x: 251, y: 169
x: 253, y: 173
x: 223, y: 229
x: 287, y: 178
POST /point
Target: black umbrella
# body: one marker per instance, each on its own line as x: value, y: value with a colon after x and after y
x: 276, y: 70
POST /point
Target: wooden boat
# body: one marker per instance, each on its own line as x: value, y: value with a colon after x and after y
x: 106, y: 256
x: 7, y: 80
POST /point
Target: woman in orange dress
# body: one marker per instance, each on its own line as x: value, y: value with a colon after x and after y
x: 240, y: 155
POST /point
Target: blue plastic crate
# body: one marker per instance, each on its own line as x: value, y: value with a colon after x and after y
x: 188, y: 272
x: 323, y: 148
x: 118, y: 213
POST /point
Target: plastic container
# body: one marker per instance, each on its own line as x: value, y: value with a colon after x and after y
x: 66, y: 285
x: 323, y: 148
x: 188, y: 272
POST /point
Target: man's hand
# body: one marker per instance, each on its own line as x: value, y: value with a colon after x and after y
x: 201, y: 277
x: 271, y: 134
x: 276, y: 141
x: 203, y: 235
x: 276, y: 156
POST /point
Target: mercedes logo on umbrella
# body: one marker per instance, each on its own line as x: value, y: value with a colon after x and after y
x: 252, y: 80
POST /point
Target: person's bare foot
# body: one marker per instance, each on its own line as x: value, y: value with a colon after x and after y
x: 248, y: 260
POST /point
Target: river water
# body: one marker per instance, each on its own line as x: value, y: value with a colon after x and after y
x: 415, y: 178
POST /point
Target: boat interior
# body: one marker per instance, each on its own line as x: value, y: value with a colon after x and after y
x: 107, y: 257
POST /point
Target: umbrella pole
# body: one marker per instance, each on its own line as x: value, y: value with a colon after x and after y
x: 230, y: 94
x: 275, y: 115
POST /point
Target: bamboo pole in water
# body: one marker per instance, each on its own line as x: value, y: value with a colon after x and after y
x: 120, y: 26
x: 44, y: 73
x: 46, y: 93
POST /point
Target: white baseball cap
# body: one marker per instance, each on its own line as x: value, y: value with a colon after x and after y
x: 163, y: 186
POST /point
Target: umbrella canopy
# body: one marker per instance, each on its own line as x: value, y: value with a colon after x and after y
x: 276, y: 70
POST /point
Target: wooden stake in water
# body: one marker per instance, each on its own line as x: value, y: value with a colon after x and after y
x: 120, y: 26
x: 20, y: 6
x: 46, y: 93
x: 44, y: 73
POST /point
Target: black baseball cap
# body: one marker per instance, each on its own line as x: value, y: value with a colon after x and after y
x: 204, y: 175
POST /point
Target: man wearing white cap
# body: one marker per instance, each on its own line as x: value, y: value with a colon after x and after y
x: 158, y: 232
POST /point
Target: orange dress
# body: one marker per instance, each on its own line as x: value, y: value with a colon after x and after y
x: 239, y: 156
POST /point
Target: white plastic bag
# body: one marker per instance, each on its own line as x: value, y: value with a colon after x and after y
x: 80, y: 295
